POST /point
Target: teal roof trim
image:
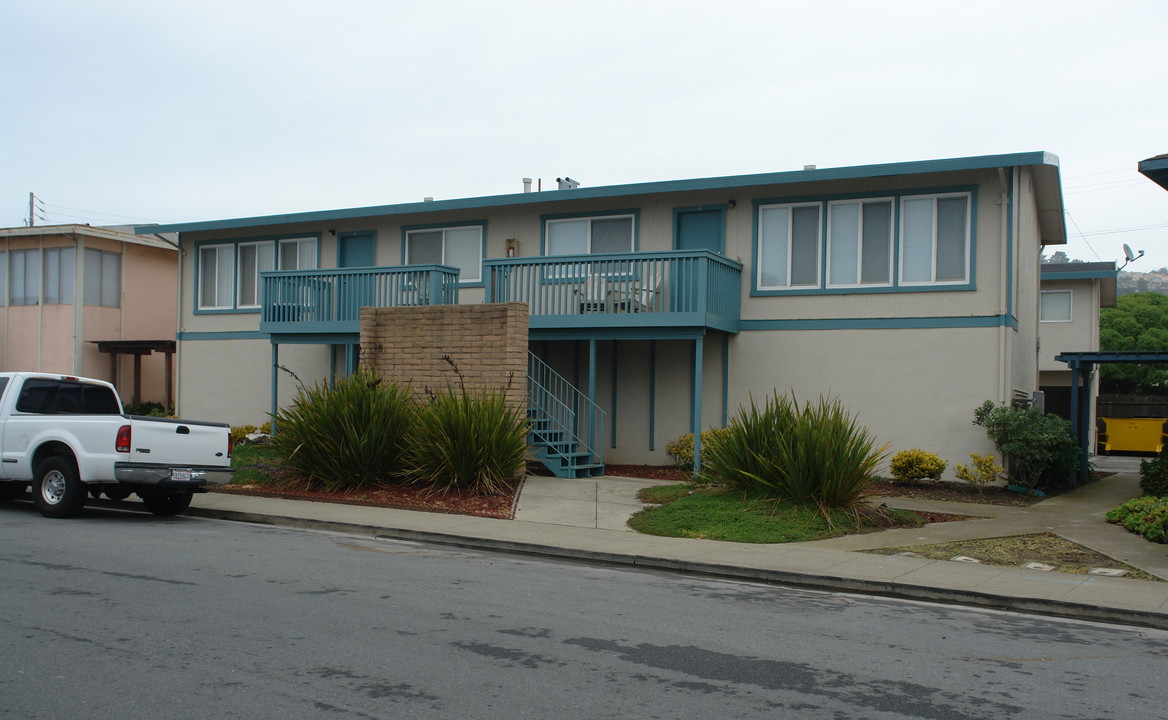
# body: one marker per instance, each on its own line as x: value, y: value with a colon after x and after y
x: 981, y: 162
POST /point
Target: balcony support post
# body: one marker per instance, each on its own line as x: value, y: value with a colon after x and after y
x: 592, y: 392
x: 696, y: 420
x: 275, y: 376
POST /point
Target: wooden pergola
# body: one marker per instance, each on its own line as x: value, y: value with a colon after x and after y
x: 138, y: 348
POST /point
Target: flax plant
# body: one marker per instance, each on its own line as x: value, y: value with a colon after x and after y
x: 467, y: 439
x: 346, y: 435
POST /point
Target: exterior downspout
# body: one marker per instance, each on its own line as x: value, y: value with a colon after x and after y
x: 1003, y: 305
x: 178, y: 312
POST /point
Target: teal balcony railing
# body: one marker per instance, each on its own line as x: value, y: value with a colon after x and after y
x: 329, y: 301
x: 655, y: 289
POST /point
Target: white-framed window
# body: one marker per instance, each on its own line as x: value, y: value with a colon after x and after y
x: 460, y: 247
x: 256, y: 257
x: 590, y: 235
x: 788, y: 247
x: 859, y: 242
x: 24, y: 270
x: 216, y: 275
x: 1055, y: 306
x: 934, y: 238
x: 103, y: 278
x: 60, y: 275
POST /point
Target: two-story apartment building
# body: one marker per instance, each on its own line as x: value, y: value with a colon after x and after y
x: 910, y: 291
x: 96, y: 301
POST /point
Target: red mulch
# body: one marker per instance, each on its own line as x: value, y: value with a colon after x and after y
x: 405, y: 497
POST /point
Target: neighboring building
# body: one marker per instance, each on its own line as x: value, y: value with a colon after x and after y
x: 1071, y: 296
x: 910, y: 291
x: 81, y: 300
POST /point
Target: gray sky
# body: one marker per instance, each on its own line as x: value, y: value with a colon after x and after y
x: 168, y: 111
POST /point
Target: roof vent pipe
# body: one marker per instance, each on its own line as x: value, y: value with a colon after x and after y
x: 808, y: 167
x: 567, y: 183
x: 428, y: 199
x: 526, y: 185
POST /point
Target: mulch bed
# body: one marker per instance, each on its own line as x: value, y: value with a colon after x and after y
x: 955, y: 492
x: 405, y: 497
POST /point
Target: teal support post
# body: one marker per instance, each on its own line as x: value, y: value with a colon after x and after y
x: 614, y: 393
x: 725, y: 378
x: 350, y: 359
x: 696, y: 420
x: 592, y: 390
x: 652, y: 391
x: 275, y: 376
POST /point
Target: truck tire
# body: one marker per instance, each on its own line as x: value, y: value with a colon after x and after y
x: 57, y: 492
x: 166, y: 504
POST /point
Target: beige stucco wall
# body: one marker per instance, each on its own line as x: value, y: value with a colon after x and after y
x: 230, y: 380
x: 1080, y: 334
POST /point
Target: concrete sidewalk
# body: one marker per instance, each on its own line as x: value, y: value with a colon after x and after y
x: 585, y: 519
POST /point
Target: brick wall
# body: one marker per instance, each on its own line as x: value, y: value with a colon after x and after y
x: 487, y: 342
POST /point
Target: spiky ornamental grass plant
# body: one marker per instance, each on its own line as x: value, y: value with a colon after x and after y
x: 816, y: 453
x: 346, y: 435
x: 467, y: 439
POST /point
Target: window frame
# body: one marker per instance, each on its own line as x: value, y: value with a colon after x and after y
x: 1070, y: 305
x: 25, y: 253
x: 819, y: 249
x: 968, y: 228
x: 829, y: 237
x: 232, y: 245
x: 480, y: 225
x: 59, y: 251
x: 970, y: 192
x: 98, y: 282
x: 547, y: 220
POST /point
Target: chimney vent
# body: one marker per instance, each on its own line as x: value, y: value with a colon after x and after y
x: 526, y: 185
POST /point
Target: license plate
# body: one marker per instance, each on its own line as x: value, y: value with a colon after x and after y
x: 180, y: 475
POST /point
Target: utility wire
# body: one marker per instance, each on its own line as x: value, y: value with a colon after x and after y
x: 1068, y: 212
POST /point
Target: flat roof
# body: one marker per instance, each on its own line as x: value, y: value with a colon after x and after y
x: 1048, y: 190
x: 142, y: 235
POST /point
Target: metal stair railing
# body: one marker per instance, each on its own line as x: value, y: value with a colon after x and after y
x: 564, y: 408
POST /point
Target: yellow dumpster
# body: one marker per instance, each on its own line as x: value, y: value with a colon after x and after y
x: 1132, y: 435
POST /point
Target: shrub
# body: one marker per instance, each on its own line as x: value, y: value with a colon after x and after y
x: 1145, y: 516
x: 981, y: 472
x: 810, y: 454
x: 911, y: 466
x: 1038, y: 447
x: 681, y: 450
x: 148, y: 409
x: 467, y: 439
x: 239, y: 433
x: 348, y: 434
x: 1154, y: 475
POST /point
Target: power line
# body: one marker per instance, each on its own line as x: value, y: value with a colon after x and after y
x: 94, y: 212
x: 1068, y: 212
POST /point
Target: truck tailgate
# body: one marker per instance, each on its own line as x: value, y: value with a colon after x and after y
x: 165, y: 441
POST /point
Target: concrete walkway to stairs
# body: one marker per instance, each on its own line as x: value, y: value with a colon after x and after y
x: 586, y: 519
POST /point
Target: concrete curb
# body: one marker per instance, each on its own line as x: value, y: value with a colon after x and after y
x: 909, y: 591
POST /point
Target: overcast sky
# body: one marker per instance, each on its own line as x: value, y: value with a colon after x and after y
x: 170, y: 111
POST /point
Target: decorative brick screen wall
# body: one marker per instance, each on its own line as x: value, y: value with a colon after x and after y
x: 487, y: 342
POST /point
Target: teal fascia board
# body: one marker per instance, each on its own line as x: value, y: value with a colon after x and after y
x: 908, y: 323
x: 1087, y: 275
x: 732, y: 182
x: 225, y: 335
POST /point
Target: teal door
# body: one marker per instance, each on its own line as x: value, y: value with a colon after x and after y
x: 699, y: 229
x: 357, y: 290
x: 693, y: 229
x: 355, y: 250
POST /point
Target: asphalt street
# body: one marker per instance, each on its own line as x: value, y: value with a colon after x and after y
x: 124, y: 615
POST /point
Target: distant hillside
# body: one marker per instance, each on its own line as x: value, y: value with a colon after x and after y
x: 1155, y: 281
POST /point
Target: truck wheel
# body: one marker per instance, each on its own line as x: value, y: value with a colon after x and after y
x: 10, y: 491
x: 167, y: 503
x: 57, y: 492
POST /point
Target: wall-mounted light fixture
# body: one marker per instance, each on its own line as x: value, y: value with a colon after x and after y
x: 731, y: 203
x: 333, y: 232
x: 512, y: 247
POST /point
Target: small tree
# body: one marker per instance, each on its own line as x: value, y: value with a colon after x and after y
x: 1038, y: 448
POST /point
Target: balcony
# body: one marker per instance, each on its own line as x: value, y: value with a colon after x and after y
x: 625, y: 293
x: 621, y: 295
x: 330, y: 301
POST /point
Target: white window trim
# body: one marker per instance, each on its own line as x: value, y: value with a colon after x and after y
x: 234, y: 260
x: 591, y: 219
x: 462, y: 276
x: 819, y: 252
x: 861, y: 202
x: 1070, y: 305
x: 933, y: 269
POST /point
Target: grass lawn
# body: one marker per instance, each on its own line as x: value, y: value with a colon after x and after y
x: 253, y: 464
x: 695, y: 511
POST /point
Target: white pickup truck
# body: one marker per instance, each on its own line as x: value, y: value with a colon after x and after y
x: 68, y: 438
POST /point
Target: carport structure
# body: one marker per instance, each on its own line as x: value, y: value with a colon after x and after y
x: 1082, y: 364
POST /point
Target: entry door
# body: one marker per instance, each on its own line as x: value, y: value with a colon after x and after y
x: 700, y: 229
x: 356, y: 291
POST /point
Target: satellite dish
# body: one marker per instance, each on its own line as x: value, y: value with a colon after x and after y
x: 1127, y: 251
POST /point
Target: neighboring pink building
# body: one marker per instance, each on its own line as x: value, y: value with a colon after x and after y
x: 99, y: 302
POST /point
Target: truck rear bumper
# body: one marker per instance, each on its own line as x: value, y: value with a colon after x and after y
x: 171, y: 476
